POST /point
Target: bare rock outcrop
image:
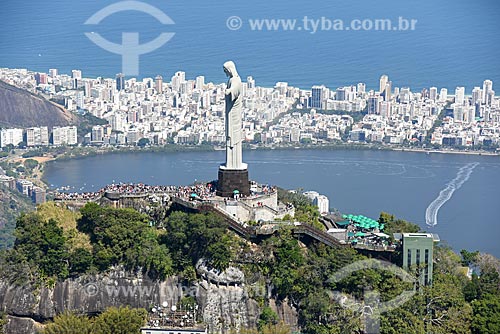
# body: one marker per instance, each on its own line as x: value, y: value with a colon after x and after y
x: 223, y: 298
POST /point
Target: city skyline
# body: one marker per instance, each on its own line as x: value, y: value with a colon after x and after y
x: 190, y: 111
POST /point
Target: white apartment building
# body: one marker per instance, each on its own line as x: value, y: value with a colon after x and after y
x: 11, y: 136
x: 65, y: 135
x: 37, y: 136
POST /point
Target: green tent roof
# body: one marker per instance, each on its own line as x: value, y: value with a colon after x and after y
x: 343, y: 223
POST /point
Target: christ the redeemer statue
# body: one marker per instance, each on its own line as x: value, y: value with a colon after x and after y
x: 233, y: 118
x: 233, y: 175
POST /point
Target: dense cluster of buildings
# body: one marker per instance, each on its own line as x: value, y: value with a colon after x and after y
x: 393, y: 116
x: 25, y: 187
x: 471, y: 120
x: 185, y: 111
x: 39, y: 136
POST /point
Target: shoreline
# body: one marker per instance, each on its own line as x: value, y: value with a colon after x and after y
x: 441, y: 151
x: 81, y: 153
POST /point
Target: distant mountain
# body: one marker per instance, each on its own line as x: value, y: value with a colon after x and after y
x: 20, y: 108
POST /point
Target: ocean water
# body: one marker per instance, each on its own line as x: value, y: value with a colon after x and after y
x: 358, y: 182
x: 456, y: 42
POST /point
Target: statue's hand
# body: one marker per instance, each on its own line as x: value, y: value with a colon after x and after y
x: 228, y: 91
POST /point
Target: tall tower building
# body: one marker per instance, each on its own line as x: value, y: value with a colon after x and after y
x: 476, y: 95
x: 385, y: 109
x: 120, y: 82
x: 460, y: 95
x: 374, y: 104
x: 41, y: 78
x: 250, y: 82
x: 433, y: 93
x: 387, y: 91
x: 177, y: 80
x: 443, y: 94
x: 318, y: 96
x: 490, y: 97
x: 88, y: 88
x: 200, y: 82
x: 340, y: 94
x: 405, y: 95
x: 384, y: 79
x: 458, y: 113
x: 159, y: 84
x: 487, y: 87
x: 361, y: 88
x: 76, y: 74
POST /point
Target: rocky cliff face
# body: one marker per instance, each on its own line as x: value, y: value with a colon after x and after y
x: 20, y: 108
x: 225, y: 304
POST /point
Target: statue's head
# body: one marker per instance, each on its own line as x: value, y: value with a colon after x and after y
x: 230, y: 69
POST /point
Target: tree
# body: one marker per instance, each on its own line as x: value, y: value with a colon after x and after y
x: 393, y: 225
x: 219, y: 253
x: 124, y: 236
x: 257, y: 137
x: 8, y: 148
x: 43, y: 244
x: 486, y: 318
x: 68, y: 323
x: 444, y: 305
x: 472, y: 290
x: 305, y: 211
x: 30, y: 164
x: 143, y: 142
x: 468, y: 258
x: 401, y: 320
x: 123, y: 320
x: 196, y: 236
x: 288, y: 260
x: 80, y: 261
x: 267, y: 317
x: 54, y: 263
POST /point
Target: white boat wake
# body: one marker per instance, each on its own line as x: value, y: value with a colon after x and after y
x: 463, y: 175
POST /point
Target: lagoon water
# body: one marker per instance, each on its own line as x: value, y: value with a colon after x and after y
x: 360, y: 182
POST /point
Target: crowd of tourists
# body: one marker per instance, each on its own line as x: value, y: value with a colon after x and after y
x: 197, y: 191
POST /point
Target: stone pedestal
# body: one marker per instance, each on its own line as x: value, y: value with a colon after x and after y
x: 233, y: 179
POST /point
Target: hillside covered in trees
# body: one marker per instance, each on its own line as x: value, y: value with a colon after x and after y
x: 55, y: 244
